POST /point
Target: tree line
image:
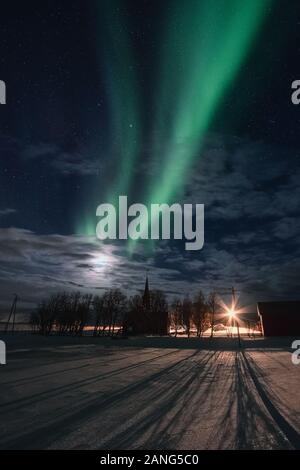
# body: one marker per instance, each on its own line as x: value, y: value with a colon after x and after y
x: 194, y: 315
x: 113, y: 313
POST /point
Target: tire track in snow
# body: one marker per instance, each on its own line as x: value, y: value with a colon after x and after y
x: 286, y: 428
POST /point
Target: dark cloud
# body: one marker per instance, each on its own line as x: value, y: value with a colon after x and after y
x: 239, y: 179
x: 78, y: 162
x: 7, y: 211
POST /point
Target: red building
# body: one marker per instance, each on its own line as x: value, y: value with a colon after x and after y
x: 279, y: 318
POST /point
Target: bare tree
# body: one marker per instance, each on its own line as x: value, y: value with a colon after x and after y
x: 118, y: 306
x: 187, y: 311
x: 66, y: 316
x: 199, y: 314
x: 35, y: 321
x: 98, y: 307
x: 110, y: 312
x: 176, y: 315
x: 212, y: 307
x: 46, y: 314
x: 82, y: 313
x: 64, y: 313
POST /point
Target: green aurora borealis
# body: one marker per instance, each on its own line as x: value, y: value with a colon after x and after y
x: 203, y: 45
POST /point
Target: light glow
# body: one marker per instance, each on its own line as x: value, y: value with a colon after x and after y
x: 231, y: 313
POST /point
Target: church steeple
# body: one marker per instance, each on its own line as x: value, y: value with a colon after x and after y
x: 146, y: 296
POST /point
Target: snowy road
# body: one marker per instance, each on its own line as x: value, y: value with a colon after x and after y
x: 65, y: 393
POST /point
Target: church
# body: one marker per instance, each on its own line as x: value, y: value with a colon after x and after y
x: 147, y: 314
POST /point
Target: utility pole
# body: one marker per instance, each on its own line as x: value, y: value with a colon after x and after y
x: 213, y: 311
x: 235, y: 321
x: 12, y: 314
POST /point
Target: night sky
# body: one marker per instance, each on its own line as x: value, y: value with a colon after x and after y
x: 170, y: 101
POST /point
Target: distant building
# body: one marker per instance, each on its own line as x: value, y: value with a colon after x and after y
x: 279, y: 318
x: 148, y: 314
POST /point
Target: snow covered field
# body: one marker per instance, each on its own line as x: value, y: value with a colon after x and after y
x: 149, y: 393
